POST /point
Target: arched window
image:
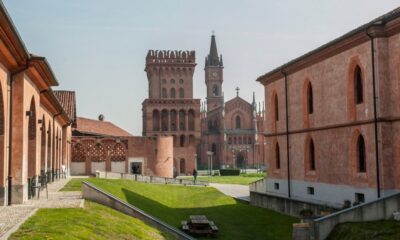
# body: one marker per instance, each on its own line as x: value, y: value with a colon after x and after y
x: 172, y: 93
x: 358, y: 84
x: 277, y: 157
x: 191, y: 120
x: 181, y: 81
x: 310, y: 103
x: 276, y: 108
x: 229, y: 140
x: 182, y: 141
x: 173, y: 120
x: 164, y: 93
x: 312, y: 155
x: 215, y: 90
x: 362, y: 166
x: 172, y: 81
x: 238, y: 122
x: 182, y: 166
x: 181, y: 93
x: 182, y: 122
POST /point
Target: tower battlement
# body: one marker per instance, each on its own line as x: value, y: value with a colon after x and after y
x: 170, y: 56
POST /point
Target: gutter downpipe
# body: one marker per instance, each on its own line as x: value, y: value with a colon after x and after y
x: 287, y: 131
x: 378, y: 187
x: 10, y: 99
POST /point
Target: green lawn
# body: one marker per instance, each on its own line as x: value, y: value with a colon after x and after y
x: 172, y: 204
x: 73, y: 185
x: 377, y: 230
x: 244, y: 179
x: 93, y: 222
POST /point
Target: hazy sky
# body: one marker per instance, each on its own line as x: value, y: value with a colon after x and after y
x: 98, y: 47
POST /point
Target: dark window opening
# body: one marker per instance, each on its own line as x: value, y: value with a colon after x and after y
x: 359, y: 198
x: 277, y: 156
x: 310, y: 190
x: 312, y: 156
x: 276, y: 186
x: 358, y: 85
x: 310, y: 104
x: 361, y: 154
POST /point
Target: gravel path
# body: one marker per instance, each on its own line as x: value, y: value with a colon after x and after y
x: 11, y: 217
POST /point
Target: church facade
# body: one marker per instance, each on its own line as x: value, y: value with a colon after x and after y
x: 231, y: 134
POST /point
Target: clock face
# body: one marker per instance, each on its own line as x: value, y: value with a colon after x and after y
x: 215, y: 74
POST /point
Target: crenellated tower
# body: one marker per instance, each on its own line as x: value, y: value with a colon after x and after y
x: 170, y: 109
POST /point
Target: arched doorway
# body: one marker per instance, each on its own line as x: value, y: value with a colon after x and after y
x: 31, y: 146
x: 49, y: 157
x: 182, y: 166
x: 43, y: 147
x: 2, y: 130
x: 240, y: 161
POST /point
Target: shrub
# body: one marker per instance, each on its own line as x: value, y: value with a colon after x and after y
x: 346, y: 204
x: 229, y: 172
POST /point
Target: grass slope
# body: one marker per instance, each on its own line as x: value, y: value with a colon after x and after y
x: 73, y: 185
x: 376, y: 230
x: 173, y: 204
x: 93, y: 222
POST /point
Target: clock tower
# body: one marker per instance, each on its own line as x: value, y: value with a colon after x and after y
x: 214, y: 77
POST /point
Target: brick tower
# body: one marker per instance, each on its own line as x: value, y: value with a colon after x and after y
x: 213, y: 121
x: 170, y: 109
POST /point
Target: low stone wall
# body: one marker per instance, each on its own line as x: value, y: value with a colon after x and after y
x: 149, y: 179
x: 95, y: 194
x: 376, y: 210
x: 283, y: 205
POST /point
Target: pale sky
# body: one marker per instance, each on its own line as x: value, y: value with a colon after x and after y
x: 98, y: 47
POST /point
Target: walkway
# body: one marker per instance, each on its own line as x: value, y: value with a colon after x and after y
x: 11, y: 217
x: 240, y: 192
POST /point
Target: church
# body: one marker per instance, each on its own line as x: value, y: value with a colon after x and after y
x: 231, y: 132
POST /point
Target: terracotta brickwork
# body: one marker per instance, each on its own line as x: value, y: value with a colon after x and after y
x: 35, y: 132
x: 331, y: 118
x: 171, y: 109
x: 230, y: 130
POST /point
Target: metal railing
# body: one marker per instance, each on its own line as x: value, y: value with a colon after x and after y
x: 149, y: 179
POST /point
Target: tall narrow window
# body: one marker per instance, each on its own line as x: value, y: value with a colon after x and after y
x: 310, y: 103
x: 277, y: 157
x: 362, y: 167
x: 276, y: 108
x: 215, y: 90
x: 181, y: 93
x: 172, y: 93
x: 238, y: 122
x: 358, y: 85
x: 164, y: 93
x: 312, y: 156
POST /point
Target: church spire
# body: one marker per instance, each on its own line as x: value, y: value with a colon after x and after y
x: 213, y: 59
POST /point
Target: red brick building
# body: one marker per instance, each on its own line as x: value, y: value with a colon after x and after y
x: 35, y: 128
x: 99, y: 145
x: 230, y: 130
x: 171, y: 109
x: 332, y: 127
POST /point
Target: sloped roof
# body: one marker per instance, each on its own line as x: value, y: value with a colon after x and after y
x: 97, y: 127
x: 68, y: 102
x: 237, y: 99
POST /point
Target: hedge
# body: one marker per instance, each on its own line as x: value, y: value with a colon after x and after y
x: 229, y: 172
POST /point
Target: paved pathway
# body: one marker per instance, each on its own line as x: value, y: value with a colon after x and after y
x: 241, y: 192
x: 11, y: 217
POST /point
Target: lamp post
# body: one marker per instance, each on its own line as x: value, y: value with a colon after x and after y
x: 210, y: 154
x: 195, y: 161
